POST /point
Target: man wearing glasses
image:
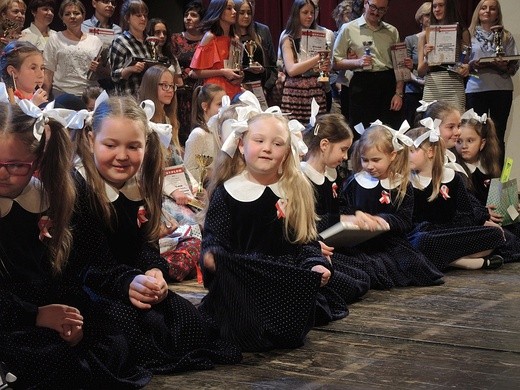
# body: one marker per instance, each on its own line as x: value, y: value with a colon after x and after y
x: 363, y: 46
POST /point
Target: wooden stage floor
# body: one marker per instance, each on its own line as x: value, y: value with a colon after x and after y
x: 464, y: 334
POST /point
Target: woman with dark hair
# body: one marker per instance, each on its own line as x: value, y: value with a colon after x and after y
x: 264, y: 69
x: 301, y: 83
x: 71, y: 54
x: 131, y: 44
x: 440, y: 83
x: 158, y: 28
x: 183, y: 47
x: 39, y: 31
x: 213, y: 59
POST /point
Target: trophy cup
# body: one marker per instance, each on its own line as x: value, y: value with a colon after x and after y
x: 324, y: 56
x: 9, y: 28
x: 497, y: 40
x: 250, y: 47
x: 367, y: 45
x: 203, y: 163
x: 152, y: 42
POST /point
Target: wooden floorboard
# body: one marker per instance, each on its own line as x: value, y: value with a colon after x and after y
x: 464, y: 334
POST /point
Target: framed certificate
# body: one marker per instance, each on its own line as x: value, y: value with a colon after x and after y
x: 444, y: 40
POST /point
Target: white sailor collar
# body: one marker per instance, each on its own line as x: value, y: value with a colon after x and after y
x: 244, y: 190
x: 366, y: 181
x: 30, y: 199
x: 316, y: 177
x: 473, y: 167
x: 448, y: 175
x: 130, y: 189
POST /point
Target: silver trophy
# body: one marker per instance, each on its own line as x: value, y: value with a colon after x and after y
x: 153, y: 42
x: 367, y: 48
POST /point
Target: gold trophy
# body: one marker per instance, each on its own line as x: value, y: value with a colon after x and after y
x: 497, y: 40
x: 203, y: 162
x: 250, y: 47
x: 324, y: 56
x: 152, y: 42
x: 9, y: 28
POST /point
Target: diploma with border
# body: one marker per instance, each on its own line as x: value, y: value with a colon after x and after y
x: 346, y: 234
x: 444, y: 40
x: 399, y: 53
x: 175, y: 179
x: 312, y: 42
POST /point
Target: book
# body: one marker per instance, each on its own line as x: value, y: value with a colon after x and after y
x: 147, y: 61
x: 347, y: 234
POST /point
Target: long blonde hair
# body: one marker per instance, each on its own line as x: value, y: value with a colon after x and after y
x: 300, y: 215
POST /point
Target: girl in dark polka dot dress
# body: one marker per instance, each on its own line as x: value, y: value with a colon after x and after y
x: 48, y: 336
x: 446, y: 229
x: 328, y: 141
x: 116, y: 224
x: 378, y: 196
x: 262, y: 264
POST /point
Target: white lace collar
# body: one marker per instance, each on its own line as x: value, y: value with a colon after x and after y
x: 244, y: 190
x: 29, y: 199
x: 473, y: 167
x: 316, y: 177
x: 447, y: 176
x: 369, y: 182
x: 130, y: 189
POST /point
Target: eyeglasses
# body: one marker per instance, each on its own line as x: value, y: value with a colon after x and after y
x: 18, y: 168
x: 373, y: 8
x: 113, y: 2
x: 168, y: 87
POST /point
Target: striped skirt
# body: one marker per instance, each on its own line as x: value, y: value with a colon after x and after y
x: 446, y: 86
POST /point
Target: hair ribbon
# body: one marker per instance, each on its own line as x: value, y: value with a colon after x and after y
x: 471, y: 114
x: 398, y: 136
x: 42, y: 116
x: 424, y: 105
x: 315, y: 109
x: 163, y: 130
x: 433, y: 134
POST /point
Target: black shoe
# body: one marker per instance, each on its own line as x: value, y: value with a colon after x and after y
x: 493, y: 262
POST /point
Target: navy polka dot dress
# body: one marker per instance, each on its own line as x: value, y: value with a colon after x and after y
x: 38, y: 356
x: 446, y: 228
x: 171, y: 336
x: 392, y: 260
x: 263, y: 294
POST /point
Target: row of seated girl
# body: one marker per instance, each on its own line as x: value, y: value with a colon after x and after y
x: 100, y: 283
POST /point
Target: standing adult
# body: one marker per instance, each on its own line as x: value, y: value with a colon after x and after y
x: 492, y: 91
x: 413, y: 90
x: 301, y: 83
x: 39, y: 31
x: 12, y: 16
x: 374, y: 92
x: 213, y: 52
x: 126, y: 50
x: 183, y: 47
x: 441, y: 83
x: 71, y: 54
x: 102, y: 19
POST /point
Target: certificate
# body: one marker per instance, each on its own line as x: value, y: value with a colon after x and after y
x: 312, y: 42
x: 175, y: 177
x: 258, y: 91
x: 444, y: 40
x: 399, y: 53
x: 106, y: 35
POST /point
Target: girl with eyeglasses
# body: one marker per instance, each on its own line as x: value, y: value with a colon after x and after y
x: 49, y: 336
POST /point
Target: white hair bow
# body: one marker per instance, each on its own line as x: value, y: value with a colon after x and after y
x: 298, y: 147
x: 399, y: 137
x: 213, y: 121
x: 315, y: 109
x: 77, y: 120
x: 471, y: 114
x: 433, y: 134
x: 4, y: 96
x: 237, y: 127
x: 163, y: 130
x: 424, y: 105
x: 42, y: 116
x: 360, y: 128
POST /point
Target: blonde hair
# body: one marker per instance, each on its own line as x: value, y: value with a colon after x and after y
x: 300, y: 216
x: 424, y: 9
x: 380, y: 137
x: 438, y: 151
x: 150, y: 177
